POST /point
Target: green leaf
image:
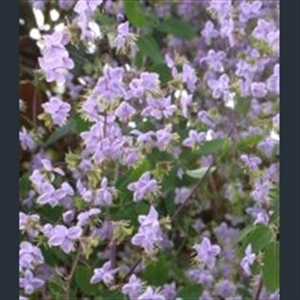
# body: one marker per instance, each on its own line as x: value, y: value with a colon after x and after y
x: 56, y: 287
x: 259, y: 237
x: 211, y: 147
x: 163, y: 71
x: 190, y: 292
x: 83, y: 276
x: 24, y: 185
x: 61, y: 132
x: 244, y: 232
x: 199, y: 173
x: 74, y: 125
x: 249, y: 142
x: 270, y: 269
x: 134, y: 13
x: 243, y: 106
x: 178, y: 28
x: 149, y: 47
x: 157, y: 273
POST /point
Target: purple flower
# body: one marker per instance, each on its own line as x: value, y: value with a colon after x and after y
x: 133, y: 288
x: 189, y: 77
x: 214, y: 60
x: 206, y: 253
x: 26, y: 140
x: 249, y: 10
x: 149, y: 234
x: 110, y: 86
x: 159, y: 108
x: 273, y: 81
x: 84, y: 217
x: 125, y: 111
x: 185, y: 101
x: 206, y: 119
x: 29, y: 223
x: 86, y: 6
x: 65, y: 237
x: 259, y: 215
x: 68, y: 216
x: 267, y: 146
x: 47, y: 165
x: 124, y: 37
x: 206, y: 296
x: 55, y: 61
x: 219, y: 87
x: 105, y: 274
x: 258, y: 89
x: 144, y: 187
x: 104, y: 194
x: 251, y: 161
x: 58, y: 110
x: 225, y: 288
x: 30, y: 283
x: 164, y: 137
x: 181, y: 194
x: 248, y: 260
x: 29, y: 256
x: 169, y: 291
x: 194, y: 138
x: 209, y: 32
x: 150, y: 293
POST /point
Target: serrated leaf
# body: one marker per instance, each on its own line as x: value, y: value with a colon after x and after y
x: 259, y: 238
x: 83, y: 276
x: 199, y: 173
x: 243, y: 106
x: 270, y: 269
x: 56, y: 287
x: 134, y: 13
x: 178, y: 28
x: 149, y: 47
x: 156, y: 273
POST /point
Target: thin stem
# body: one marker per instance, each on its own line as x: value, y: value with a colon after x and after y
x: 259, y: 289
x: 70, y: 277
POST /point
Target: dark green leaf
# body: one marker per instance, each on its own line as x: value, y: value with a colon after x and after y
x: 211, y: 147
x: 178, y: 28
x: 163, y: 71
x: 271, y: 267
x: 242, y: 106
x: 83, y: 276
x: 24, y: 185
x: 61, y: 132
x: 249, y: 142
x: 149, y: 47
x: 56, y: 286
x: 190, y: 292
x: 134, y: 13
x: 156, y: 273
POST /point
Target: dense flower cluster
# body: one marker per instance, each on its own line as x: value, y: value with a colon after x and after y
x: 158, y: 141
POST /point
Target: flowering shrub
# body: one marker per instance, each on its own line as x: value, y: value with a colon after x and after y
x: 152, y: 172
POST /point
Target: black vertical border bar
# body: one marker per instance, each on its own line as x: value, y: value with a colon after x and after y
x: 289, y: 149
x: 9, y: 145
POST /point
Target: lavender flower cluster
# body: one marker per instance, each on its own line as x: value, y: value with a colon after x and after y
x: 167, y: 187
